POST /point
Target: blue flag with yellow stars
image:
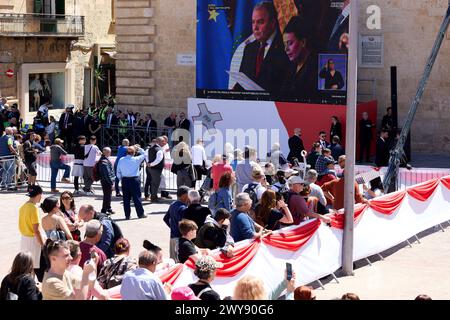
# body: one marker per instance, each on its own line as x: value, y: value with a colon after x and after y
x: 243, y: 21
x: 214, y: 44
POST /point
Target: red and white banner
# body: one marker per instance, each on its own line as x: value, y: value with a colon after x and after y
x: 315, y: 249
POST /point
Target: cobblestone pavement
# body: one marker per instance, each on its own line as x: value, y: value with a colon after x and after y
x: 405, y: 272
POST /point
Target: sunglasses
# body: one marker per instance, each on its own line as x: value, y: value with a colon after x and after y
x: 66, y: 198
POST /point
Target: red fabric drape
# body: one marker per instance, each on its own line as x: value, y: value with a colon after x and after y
x: 337, y: 220
x: 294, y: 239
x: 232, y: 266
x: 172, y: 274
x: 446, y: 182
x: 424, y: 190
x: 389, y: 203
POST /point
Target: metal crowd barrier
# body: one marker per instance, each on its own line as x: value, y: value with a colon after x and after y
x: 113, y: 136
x: 13, y: 173
x: 44, y: 171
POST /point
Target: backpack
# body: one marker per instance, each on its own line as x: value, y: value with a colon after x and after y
x: 283, y: 191
x: 251, y: 190
x: 96, y: 171
x: 214, y: 202
x: 117, y: 231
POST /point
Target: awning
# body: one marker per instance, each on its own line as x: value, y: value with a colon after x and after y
x: 110, y: 53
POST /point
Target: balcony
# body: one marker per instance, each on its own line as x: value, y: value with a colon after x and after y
x: 41, y: 25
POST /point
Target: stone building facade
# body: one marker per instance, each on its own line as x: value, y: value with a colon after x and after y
x: 162, y: 29
x: 64, y: 48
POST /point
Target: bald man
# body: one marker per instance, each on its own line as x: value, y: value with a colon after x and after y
x: 128, y: 173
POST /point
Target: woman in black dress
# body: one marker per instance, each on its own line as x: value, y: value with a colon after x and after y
x: 336, y: 128
x: 301, y: 81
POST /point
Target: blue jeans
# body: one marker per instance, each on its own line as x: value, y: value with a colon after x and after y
x: 131, y: 188
x: 55, y: 167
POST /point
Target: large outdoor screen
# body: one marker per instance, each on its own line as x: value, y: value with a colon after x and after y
x: 280, y: 50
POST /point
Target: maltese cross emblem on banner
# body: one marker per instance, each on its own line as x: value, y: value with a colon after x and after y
x: 207, y: 118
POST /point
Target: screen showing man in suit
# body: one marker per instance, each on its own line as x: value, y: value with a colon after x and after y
x: 245, y: 52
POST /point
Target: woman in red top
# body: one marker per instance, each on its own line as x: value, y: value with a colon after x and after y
x: 218, y: 169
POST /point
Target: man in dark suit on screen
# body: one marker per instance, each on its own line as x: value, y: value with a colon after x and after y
x: 264, y: 60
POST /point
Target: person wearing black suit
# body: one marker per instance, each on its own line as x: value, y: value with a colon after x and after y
x: 300, y: 81
x: 365, y: 136
x: 382, y: 156
x: 66, y: 127
x: 340, y: 28
x: 295, y: 146
x: 150, y: 126
x: 184, y: 124
x: 264, y: 60
x: 336, y: 128
x: 110, y: 121
x: 78, y: 124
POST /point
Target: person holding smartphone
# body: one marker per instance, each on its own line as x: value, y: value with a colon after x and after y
x: 59, y: 283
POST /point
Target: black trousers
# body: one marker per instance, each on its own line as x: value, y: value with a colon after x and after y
x: 107, y: 192
x: 155, y: 181
x: 148, y: 181
x: 364, y: 148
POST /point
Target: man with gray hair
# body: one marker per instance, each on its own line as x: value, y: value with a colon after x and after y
x: 195, y: 211
x: 242, y: 227
x: 121, y: 152
x: 316, y: 191
x: 142, y: 283
x: 93, y: 234
x: 107, y: 177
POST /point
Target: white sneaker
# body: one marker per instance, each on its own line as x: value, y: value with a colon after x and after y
x: 77, y: 193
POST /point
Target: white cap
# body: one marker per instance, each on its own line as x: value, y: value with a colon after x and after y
x: 295, y: 179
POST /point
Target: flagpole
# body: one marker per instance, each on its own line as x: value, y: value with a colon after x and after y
x: 350, y: 142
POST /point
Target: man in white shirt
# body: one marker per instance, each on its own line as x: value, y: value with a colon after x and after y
x: 91, y: 151
x: 316, y: 191
x: 155, y: 163
x: 199, y: 159
x: 44, y: 109
x: 142, y: 283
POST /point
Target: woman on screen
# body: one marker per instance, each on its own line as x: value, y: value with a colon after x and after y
x: 301, y: 82
x: 333, y: 78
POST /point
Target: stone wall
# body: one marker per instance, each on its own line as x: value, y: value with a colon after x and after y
x: 410, y: 29
x: 135, y: 33
x: 99, y: 29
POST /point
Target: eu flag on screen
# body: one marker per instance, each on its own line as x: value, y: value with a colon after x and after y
x: 243, y: 21
x: 214, y: 45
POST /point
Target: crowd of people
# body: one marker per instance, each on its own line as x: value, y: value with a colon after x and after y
x: 21, y: 143
x: 246, y: 199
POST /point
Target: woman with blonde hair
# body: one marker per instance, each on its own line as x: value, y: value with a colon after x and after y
x: 182, y: 165
x: 249, y: 288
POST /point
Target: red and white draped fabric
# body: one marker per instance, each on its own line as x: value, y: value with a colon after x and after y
x: 315, y: 249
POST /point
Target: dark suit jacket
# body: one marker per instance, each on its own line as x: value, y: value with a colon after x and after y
x: 152, y: 125
x: 62, y: 119
x: 382, y: 156
x: 301, y: 84
x: 333, y: 43
x: 185, y: 124
x: 114, y: 120
x: 274, y: 66
x: 295, y: 148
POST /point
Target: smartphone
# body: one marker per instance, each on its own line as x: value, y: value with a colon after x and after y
x: 288, y: 271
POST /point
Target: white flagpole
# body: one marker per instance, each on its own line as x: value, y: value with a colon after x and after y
x: 350, y: 141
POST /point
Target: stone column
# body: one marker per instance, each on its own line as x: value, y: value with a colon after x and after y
x: 134, y: 65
